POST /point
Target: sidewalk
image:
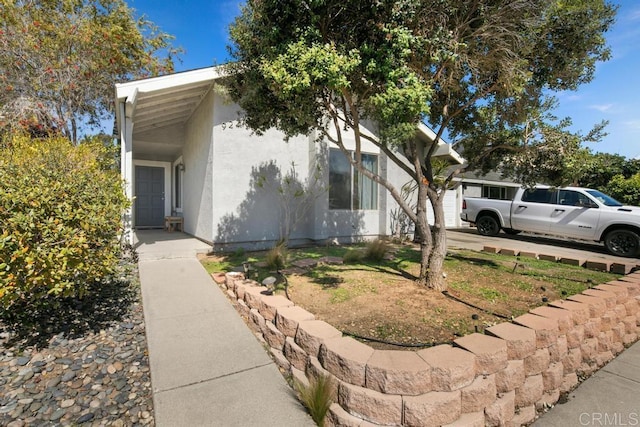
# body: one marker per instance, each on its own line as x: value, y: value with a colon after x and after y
x: 207, y: 368
x: 611, y: 397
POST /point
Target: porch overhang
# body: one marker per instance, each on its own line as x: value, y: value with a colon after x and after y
x: 443, y: 151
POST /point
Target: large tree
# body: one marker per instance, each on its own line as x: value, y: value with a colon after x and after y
x: 59, y: 60
x: 477, y: 71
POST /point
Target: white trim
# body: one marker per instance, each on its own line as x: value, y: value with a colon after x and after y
x: 167, y: 182
x: 178, y: 161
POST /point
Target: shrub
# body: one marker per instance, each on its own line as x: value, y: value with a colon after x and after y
x: 276, y: 257
x: 317, y: 397
x: 376, y: 250
x: 61, y: 213
x: 352, y: 256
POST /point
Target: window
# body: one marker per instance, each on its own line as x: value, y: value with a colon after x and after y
x: 348, y: 188
x: 178, y: 185
x: 573, y: 198
x: 539, y: 195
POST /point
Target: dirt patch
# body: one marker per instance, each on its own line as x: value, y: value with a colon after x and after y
x: 382, y: 301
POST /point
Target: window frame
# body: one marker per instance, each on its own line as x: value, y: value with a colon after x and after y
x: 356, y: 182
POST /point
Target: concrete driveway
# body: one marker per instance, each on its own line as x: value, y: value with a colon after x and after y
x: 468, y: 238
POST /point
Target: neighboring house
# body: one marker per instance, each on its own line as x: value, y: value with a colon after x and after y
x: 490, y: 186
x: 184, y: 154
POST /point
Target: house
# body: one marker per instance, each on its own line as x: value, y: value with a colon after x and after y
x: 185, y: 155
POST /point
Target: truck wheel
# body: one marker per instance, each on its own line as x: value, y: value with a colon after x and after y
x: 511, y: 231
x: 487, y: 225
x: 625, y: 243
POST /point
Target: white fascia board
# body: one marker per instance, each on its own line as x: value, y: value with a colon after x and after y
x: 443, y: 149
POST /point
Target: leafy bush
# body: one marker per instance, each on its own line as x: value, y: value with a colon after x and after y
x: 317, y: 397
x: 376, y: 250
x: 61, y: 213
x: 625, y: 190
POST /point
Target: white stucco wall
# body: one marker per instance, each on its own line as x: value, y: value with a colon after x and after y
x: 198, y: 173
x: 246, y: 205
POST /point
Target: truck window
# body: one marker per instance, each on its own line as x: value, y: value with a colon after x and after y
x: 539, y: 195
x: 573, y: 198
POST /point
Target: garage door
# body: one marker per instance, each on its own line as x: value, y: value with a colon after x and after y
x: 451, y: 211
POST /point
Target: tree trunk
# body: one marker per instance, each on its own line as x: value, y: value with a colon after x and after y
x: 435, y: 277
x: 422, y: 227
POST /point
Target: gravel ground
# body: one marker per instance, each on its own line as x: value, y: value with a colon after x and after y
x: 94, y: 378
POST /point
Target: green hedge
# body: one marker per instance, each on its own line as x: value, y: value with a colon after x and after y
x: 60, y: 220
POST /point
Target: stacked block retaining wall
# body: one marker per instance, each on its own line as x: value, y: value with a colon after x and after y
x: 499, y: 378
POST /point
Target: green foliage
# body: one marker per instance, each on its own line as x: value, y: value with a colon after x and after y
x: 276, y: 257
x: 352, y: 256
x: 376, y: 250
x: 317, y: 397
x: 625, y: 190
x: 61, y: 215
x: 478, y: 71
x: 59, y: 61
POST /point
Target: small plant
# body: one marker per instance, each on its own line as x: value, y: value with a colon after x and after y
x: 376, y: 250
x: 317, y: 397
x: 352, y: 257
x: 276, y: 258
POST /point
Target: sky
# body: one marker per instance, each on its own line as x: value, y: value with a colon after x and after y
x: 200, y: 27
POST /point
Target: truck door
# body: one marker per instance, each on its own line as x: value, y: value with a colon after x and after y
x: 575, y: 215
x: 534, y: 210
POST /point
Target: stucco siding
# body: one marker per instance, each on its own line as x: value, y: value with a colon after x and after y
x: 248, y: 170
x: 198, y: 173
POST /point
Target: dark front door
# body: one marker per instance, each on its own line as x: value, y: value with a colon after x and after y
x: 149, y: 196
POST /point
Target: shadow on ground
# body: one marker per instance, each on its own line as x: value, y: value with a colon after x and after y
x: 27, y: 324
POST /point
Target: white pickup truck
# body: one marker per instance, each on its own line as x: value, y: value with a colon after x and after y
x: 578, y: 213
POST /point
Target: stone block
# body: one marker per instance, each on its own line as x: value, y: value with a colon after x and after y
x: 295, y: 354
x: 451, y: 368
x: 256, y: 321
x: 288, y: 318
x: 569, y: 382
x: 280, y: 359
x: 605, y: 341
x: 511, y: 377
x: 509, y: 252
x: 575, y: 336
x: 548, y: 400
x: 552, y: 377
x: 619, y: 268
x: 546, y: 329
x: 621, y: 292
x: 572, y: 360
x: 379, y: 408
x: 232, y: 278
x: 243, y: 308
x: 592, y: 328
x: 490, y: 352
x: 589, y: 349
x: 579, y: 262
x: 271, y: 303
x: 253, y: 296
x: 621, y: 312
x: 597, y: 306
x: 299, y: 378
x: 604, y: 357
x: 609, y: 297
x: 432, y: 409
x: 537, y: 362
x: 525, y: 254
x: 398, y: 372
x: 273, y: 336
x: 231, y: 294
x: 491, y: 249
x: 345, y: 358
x: 314, y: 368
x: 563, y: 317
x: 312, y: 333
x: 474, y: 419
x: 558, y: 350
x: 530, y: 392
x: 220, y: 278
x: 608, y: 321
x: 618, y: 332
x: 501, y: 412
x: 479, y: 394
x: 521, y: 341
x: 629, y: 339
x: 338, y: 417
x: 633, y: 288
x: 598, y: 265
x: 547, y: 257
x: 579, y: 311
x: 632, y: 307
x: 524, y: 416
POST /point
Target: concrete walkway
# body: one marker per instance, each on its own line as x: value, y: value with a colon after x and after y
x: 207, y: 367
